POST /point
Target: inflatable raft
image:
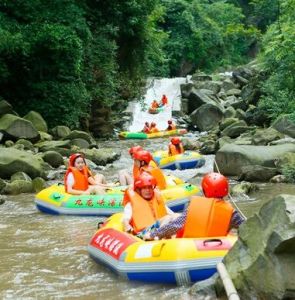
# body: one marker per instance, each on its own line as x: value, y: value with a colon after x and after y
x: 155, y: 110
x: 54, y: 200
x: 142, y: 135
x: 181, y: 261
x: 187, y: 160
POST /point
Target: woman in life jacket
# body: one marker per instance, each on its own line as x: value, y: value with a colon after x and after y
x: 175, y: 146
x: 153, y: 128
x: 171, y: 126
x: 207, y: 216
x: 124, y: 176
x: 164, y: 100
x: 155, y: 104
x: 146, y: 205
x: 146, y: 128
x: 79, y: 179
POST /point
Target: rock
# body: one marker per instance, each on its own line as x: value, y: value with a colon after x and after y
x: 235, y: 129
x: 2, y: 199
x: 243, y: 188
x: 230, y: 112
x: 233, y: 92
x: 27, y: 144
x: 240, y: 104
x: 285, y: 125
x: 227, y: 122
x: 20, y: 147
x: 191, y: 143
x: 240, y: 114
x: 224, y: 140
x: 257, y: 173
x: 81, y: 143
x: 279, y: 179
x: 17, y: 187
x: 2, y: 184
x: 206, y: 117
x: 20, y: 176
x: 213, y: 86
x: 101, y: 156
x: 53, y: 145
x: 265, y: 136
x: 15, y: 128
x: 13, y: 160
x: 250, y: 94
x: 201, y: 77
x: 257, y: 116
x: 44, y: 136
x: 286, y: 160
x: 209, y: 147
x: 186, y: 89
x: 261, y: 263
x: 53, y: 158
x: 36, y: 119
x: 39, y: 184
x: 75, y: 134
x: 205, y: 289
x: 9, y: 144
x: 286, y: 140
x: 60, y: 132
x: 5, y: 108
x: 231, y: 158
x: 228, y: 85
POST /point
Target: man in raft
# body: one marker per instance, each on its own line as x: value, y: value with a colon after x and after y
x: 153, y: 128
x: 207, y: 216
x: 145, y: 205
x: 175, y: 146
x: 171, y: 125
x: 146, y: 128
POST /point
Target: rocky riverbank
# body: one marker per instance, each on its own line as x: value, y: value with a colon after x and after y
x: 30, y: 154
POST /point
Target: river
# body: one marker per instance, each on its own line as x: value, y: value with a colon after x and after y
x: 45, y: 257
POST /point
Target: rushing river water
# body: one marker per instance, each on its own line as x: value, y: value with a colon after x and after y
x: 45, y: 257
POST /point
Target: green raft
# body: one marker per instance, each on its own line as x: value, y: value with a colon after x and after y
x: 142, y: 135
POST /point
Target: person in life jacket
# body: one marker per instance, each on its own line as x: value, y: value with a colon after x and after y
x: 143, y: 161
x: 175, y: 146
x: 164, y: 101
x: 79, y: 179
x: 124, y: 176
x: 155, y: 104
x: 171, y: 126
x: 146, y: 205
x: 208, y: 216
x: 153, y: 128
x: 146, y: 128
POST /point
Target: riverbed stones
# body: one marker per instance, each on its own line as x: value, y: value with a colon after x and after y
x: 15, y: 128
x: 231, y: 158
x: 13, y: 160
x: 37, y: 120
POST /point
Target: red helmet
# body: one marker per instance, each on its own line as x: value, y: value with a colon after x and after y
x: 215, y: 185
x: 169, y: 122
x: 134, y: 149
x: 175, y: 140
x: 144, y: 180
x: 73, y: 158
x: 143, y: 155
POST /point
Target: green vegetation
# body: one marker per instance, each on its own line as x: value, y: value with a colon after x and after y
x: 62, y: 57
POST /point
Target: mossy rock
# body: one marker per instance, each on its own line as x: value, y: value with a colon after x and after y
x: 20, y: 176
x: 17, y: 187
x: 37, y: 120
x: 53, y: 158
x: 39, y: 184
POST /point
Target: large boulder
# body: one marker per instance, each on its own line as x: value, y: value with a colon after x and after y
x: 62, y: 147
x: 101, y: 156
x: 285, y: 125
x: 206, y: 117
x: 231, y: 158
x: 214, y: 86
x: 5, y: 108
x: 15, y: 128
x: 53, y: 158
x: 18, y: 186
x: 235, y: 129
x: 262, y: 262
x: 13, y: 160
x: 76, y: 134
x: 60, y: 132
x: 265, y: 136
x: 36, y: 119
x: 257, y: 173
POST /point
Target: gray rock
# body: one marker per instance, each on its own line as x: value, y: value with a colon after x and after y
x: 191, y: 143
x: 213, y: 86
x: 27, y: 144
x: 201, y: 77
x: 15, y: 128
x: 75, y: 134
x: 39, y: 184
x: 240, y: 114
x: 13, y: 160
x: 285, y: 125
x: 265, y: 136
x: 44, y: 136
x: 233, y: 92
x: 60, y: 132
x: 18, y: 186
x: 9, y: 144
x: 228, y: 85
x: 279, y: 179
x: 36, y: 119
x: 230, y: 112
x: 231, y: 158
x: 209, y: 147
x: 227, y: 122
x: 235, y: 129
x: 53, y: 145
x: 81, y: 143
x: 206, y: 117
x: 257, y: 173
x: 53, y: 158
x: 244, y: 188
x: 20, y: 176
x: 101, y: 156
x: 262, y: 264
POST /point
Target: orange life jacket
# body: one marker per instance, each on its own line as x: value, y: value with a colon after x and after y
x: 157, y: 173
x: 154, y: 129
x: 145, y: 213
x: 207, y: 217
x: 154, y: 105
x: 173, y: 150
x: 146, y: 129
x: 80, y: 178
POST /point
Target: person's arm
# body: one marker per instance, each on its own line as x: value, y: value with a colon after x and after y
x: 127, y: 215
x: 70, y: 182
x: 236, y: 219
x: 169, y: 229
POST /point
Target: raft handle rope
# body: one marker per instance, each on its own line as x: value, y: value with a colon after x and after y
x: 230, y: 196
